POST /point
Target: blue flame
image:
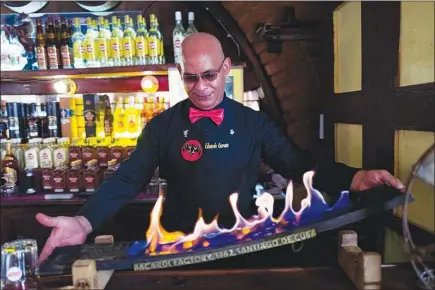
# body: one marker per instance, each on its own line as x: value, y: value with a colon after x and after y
x: 313, y: 209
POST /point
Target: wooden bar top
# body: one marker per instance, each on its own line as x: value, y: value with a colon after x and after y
x: 400, y: 277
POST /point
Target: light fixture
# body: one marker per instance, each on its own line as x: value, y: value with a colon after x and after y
x: 149, y: 84
x: 65, y: 86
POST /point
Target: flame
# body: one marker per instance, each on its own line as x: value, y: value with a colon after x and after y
x: 312, y: 208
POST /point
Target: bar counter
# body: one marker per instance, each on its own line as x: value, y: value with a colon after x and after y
x: 398, y: 277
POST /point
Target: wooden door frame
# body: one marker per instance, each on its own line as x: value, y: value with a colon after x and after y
x: 381, y: 106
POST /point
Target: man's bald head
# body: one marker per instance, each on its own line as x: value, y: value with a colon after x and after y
x: 203, y: 55
x: 202, y: 43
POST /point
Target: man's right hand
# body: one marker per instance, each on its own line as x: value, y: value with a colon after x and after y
x: 67, y: 231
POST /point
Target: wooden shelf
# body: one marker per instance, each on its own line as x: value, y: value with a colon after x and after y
x: 97, y: 72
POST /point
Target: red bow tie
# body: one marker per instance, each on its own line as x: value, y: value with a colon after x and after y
x: 216, y: 115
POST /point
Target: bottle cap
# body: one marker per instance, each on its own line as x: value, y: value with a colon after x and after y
x: 191, y: 16
x: 177, y: 15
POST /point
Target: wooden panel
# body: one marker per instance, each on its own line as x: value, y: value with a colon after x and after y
x: 416, y: 43
x: 410, y: 145
x: 348, y: 144
x: 347, y: 48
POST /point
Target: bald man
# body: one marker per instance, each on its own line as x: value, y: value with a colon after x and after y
x: 207, y: 147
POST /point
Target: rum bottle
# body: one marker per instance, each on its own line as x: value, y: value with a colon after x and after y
x: 59, y: 181
x: 41, y: 52
x: 10, y: 171
x: 77, y: 40
x: 89, y: 46
x: 102, y: 50
x: 52, y: 48
x: 108, y: 118
x: 32, y: 121
x: 118, y: 119
x: 128, y: 42
x: 191, y: 29
x: 178, y: 35
x: 115, y: 43
x: 153, y: 41
x: 141, y: 42
x: 66, y: 51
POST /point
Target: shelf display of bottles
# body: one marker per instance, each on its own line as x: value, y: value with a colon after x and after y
x: 81, y: 116
x: 61, y: 43
x: 54, y: 165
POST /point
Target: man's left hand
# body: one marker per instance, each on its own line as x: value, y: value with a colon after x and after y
x: 365, y: 179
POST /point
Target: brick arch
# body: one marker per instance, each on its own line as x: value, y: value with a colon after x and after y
x: 295, y: 74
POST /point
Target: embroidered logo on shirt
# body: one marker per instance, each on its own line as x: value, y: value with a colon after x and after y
x: 185, y: 132
x: 232, y: 132
x: 191, y: 150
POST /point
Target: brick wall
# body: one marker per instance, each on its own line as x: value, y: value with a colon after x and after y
x: 296, y: 72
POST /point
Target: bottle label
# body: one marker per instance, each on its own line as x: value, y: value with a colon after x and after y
x: 41, y: 57
x: 58, y: 184
x: 132, y: 121
x: 31, y: 162
x: 9, y: 176
x: 115, y: 51
x: 89, y: 49
x: 108, y: 128
x: 78, y: 49
x: 52, y: 57
x: 59, y: 156
x: 154, y: 46
x: 46, y: 181
x: 46, y: 159
x: 128, y: 52
x: 65, y: 52
x: 14, y: 124
x: 102, y: 48
x: 33, y: 128
x: 52, y: 123
x: 73, y: 184
x: 141, y: 46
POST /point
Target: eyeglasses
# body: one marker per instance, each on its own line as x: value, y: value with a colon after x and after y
x: 207, y: 76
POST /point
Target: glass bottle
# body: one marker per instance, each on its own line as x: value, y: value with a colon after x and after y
x: 46, y: 153
x: 74, y: 177
x: 128, y: 42
x: 10, y: 171
x: 141, y: 41
x: 66, y: 51
x: 41, y: 53
x: 60, y: 152
x: 191, y: 29
x: 115, y: 43
x: 153, y: 41
x: 118, y: 119
x: 18, y: 151
x: 178, y: 35
x: 32, y: 121
x: 52, y: 48
x: 108, y: 119
x: 77, y: 40
x: 4, y: 127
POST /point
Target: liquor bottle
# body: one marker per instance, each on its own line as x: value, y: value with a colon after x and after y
x: 178, y: 35
x: 141, y: 41
x: 57, y: 41
x: 89, y: 46
x: 52, y: 125
x: 42, y: 121
x: 60, y: 152
x: 13, y: 120
x: 191, y: 29
x: 102, y: 50
x: 120, y: 36
x: 118, y: 119
x: 32, y: 121
x: 46, y: 153
x: 115, y: 43
x: 108, y: 119
x: 10, y: 170
x: 52, y: 49
x: 77, y: 40
x: 131, y: 117
x: 41, y: 53
x: 94, y: 28
x: 139, y: 107
x: 66, y: 51
x: 59, y: 179
x: 154, y: 45
x: 4, y: 128
x: 128, y: 42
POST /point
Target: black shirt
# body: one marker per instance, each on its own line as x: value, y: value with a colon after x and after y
x: 229, y: 161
